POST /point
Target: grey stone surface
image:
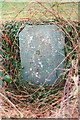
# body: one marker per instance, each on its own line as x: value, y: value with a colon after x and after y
x: 41, y: 51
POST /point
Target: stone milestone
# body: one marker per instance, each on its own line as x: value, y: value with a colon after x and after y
x: 41, y: 51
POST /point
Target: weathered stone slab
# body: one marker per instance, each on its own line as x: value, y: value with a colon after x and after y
x: 41, y: 51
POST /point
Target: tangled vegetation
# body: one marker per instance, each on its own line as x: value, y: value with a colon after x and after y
x: 40, y: 98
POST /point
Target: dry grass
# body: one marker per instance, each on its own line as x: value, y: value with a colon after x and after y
x: 25, y: 10
x: 9, y: 111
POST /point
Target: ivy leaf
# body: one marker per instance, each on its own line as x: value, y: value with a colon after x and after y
x: 7, y: 78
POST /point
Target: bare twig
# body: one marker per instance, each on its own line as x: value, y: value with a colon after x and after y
x: 9, y: 102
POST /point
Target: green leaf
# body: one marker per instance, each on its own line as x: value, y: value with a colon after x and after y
x: 15, y: 80
x: 53, y: 20
x: 7, y: 78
